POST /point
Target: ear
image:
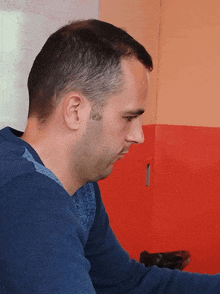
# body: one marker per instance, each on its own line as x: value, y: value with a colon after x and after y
x: 74, y: 108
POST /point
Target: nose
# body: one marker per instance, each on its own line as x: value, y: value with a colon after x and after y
x: 135, y: 133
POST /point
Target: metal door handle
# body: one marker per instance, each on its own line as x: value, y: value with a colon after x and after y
x: 148, y: 175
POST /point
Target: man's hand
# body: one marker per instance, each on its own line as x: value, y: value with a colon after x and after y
x: 173, y: 260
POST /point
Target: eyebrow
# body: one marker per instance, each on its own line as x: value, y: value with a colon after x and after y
x: 134, y: 112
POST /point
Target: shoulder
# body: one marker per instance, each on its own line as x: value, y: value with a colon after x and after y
x: 32, y: 194
x: 12, y: 164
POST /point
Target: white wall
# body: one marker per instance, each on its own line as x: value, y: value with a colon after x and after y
x: 24, y: 28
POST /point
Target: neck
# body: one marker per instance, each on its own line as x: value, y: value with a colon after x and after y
x: 54, y: 154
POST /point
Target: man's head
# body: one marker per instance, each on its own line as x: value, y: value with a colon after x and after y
x: 106, y: 141
x: 88, y: 88
x: 84, y: 56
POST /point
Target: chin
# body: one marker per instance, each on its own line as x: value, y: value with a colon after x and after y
x: 105, y: 174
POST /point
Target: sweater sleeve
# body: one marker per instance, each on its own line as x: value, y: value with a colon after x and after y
x: 42, y: 246
x: 112, y: 270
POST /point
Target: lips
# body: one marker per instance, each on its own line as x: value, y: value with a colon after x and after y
x: 122, y: 154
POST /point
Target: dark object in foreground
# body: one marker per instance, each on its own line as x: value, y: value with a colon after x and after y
x: 173, y: 260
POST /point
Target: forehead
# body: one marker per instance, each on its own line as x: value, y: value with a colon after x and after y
x: 135, y: 88
x: 135, y: 72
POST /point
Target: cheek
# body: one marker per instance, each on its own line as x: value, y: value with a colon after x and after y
x: 115, y: 136
x: 114, y: 133
x: 121, y: 126
x: 125, y: 129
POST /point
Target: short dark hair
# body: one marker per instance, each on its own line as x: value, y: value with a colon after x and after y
x: 84, y: 56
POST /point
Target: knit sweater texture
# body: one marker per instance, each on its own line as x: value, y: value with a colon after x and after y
x: 53, y: 242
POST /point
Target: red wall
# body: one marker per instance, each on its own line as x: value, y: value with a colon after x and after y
x: 180, y: 208
x: 128, y: 200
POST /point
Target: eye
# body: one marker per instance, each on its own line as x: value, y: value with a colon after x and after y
x: 129, y: 118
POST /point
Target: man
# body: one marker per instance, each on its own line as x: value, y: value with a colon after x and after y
x: 87, y: 90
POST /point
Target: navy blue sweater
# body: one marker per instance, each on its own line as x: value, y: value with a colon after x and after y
x: 52, y: 242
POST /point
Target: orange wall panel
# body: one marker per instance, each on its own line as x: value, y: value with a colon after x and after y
x: 141, y: 19
x: 189, y: 63
x: 182, y: 37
